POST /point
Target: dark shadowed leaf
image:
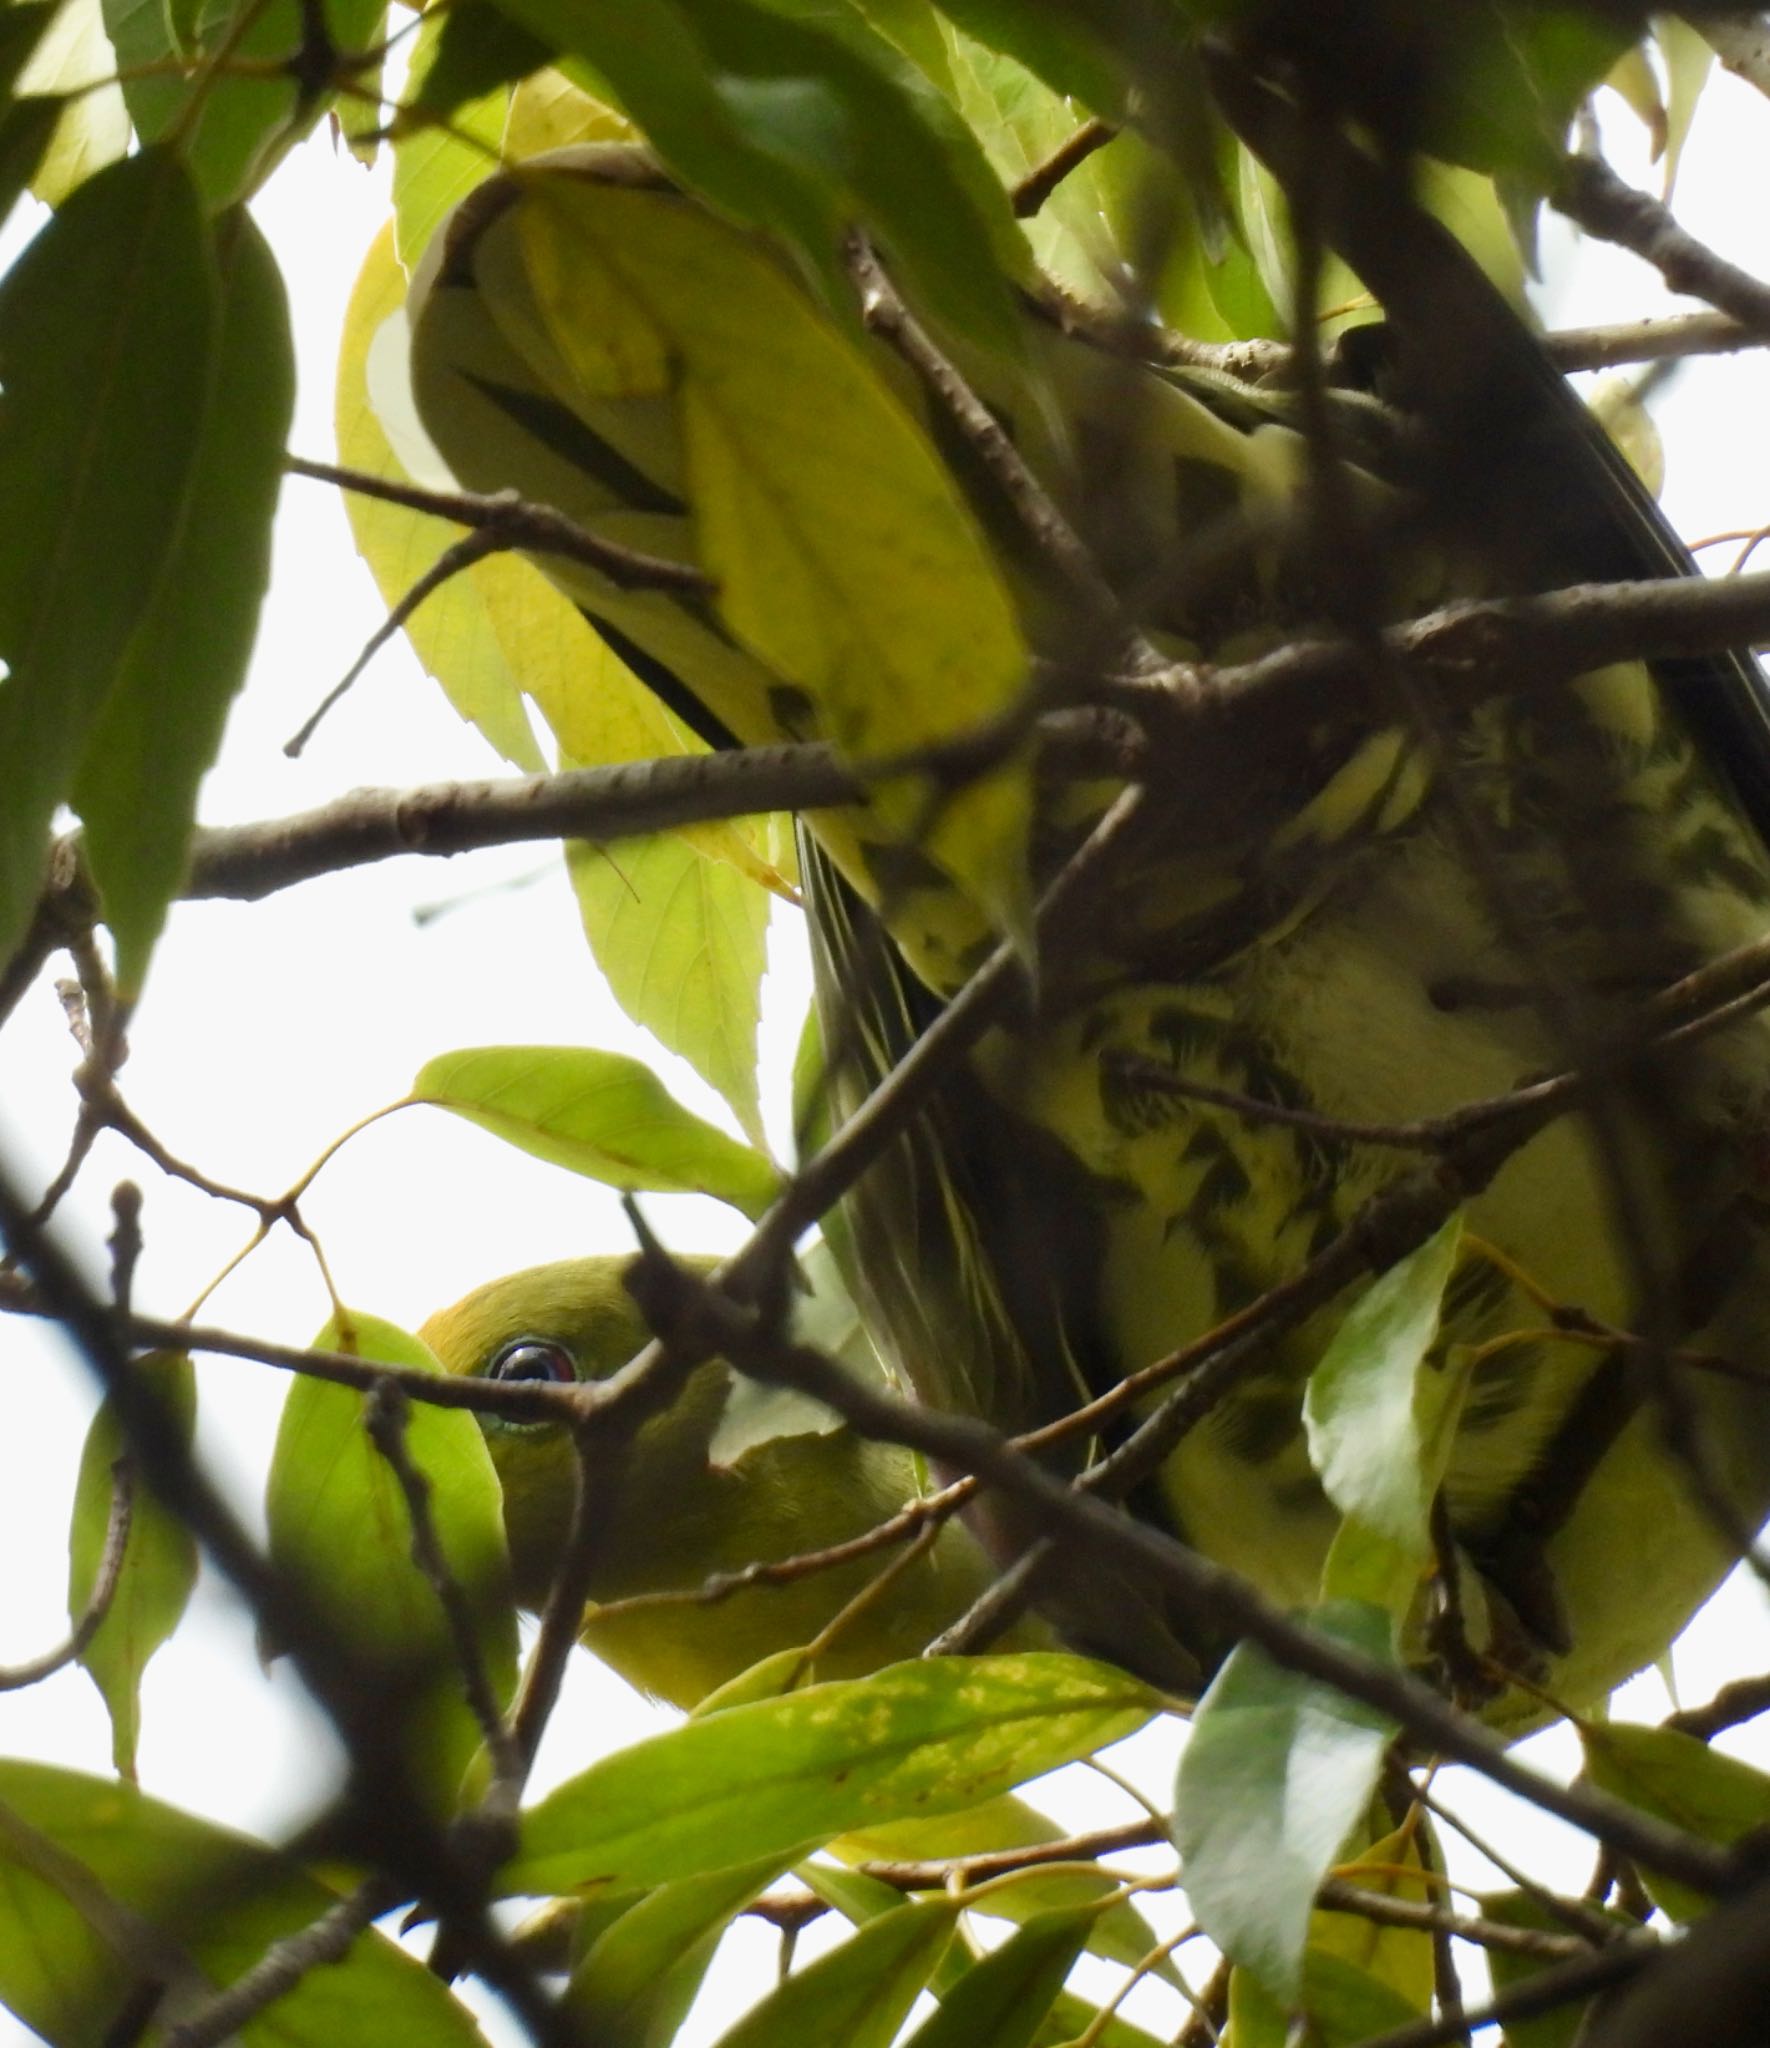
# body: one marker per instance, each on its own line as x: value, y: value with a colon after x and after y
x: 1674, y: 1776
x: 1001, y: 2001
x: 231, y: 125
x: 107, y: 324
x: 858, y: 1994
x: 161, y: 725
x: 640, y: 1975
x: 1563, y: 2025
x: 101, y: 1889
x: 796, y: 118
x: 478, y: 49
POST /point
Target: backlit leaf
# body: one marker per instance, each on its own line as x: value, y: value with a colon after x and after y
x: 600, y: 1114
x: 923, y: 1737
x: 1277, y: 1771
x: 340, y: 1526
x: 159, y: 1559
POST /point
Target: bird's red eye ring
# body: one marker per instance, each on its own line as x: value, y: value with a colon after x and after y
x: 532, y: 1358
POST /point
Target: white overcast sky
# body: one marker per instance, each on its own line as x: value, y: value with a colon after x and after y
x: 268, y: 1028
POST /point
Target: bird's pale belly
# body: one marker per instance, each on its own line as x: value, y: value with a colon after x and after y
x: 1393, y: 1001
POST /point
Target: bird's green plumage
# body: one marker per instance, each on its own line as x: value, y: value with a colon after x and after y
x: 681, y: 1510
x: 1341, y: 918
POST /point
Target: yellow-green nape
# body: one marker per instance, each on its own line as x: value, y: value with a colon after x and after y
x: 581, y: 1304
x: 678, y: 1514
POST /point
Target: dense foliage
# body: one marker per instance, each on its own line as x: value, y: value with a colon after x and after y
x: 915, y: 307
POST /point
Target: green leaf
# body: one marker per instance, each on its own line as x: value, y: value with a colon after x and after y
x: 916, y: 28
x: 1679, y: 1779
x: 107, y: 324
x: 1277, y: 1771
x: 889, y: 142
x: 1398, y: 1957
x: 826, y: 1314
x: 1562, y: 2026
x: 159, y: 1558
x: 22, y: 29
x: 340, y: 1527
x: 845, y: 559
x: 799, y: 118
x: 551, y: 111
x: 681, y: 942
x: 1345, y: 2007
x: 634, y: 1986
x: 1120, y: 1932
x: 26, y: 124
x: 858, y: 1994
x: 1381, y: 1415
x: 678, y: 921
x: 1020, y: 122
x: 923, y: 1737
x: 1068, y: 46
x: 1510, y: 85
x: 26, y: 128
x: 755, y: 1413
x: 161, y: 726
x: 462, y: 632
x: 231, y: 125
x: 74, y: 61
x: 1380, y: 1423
x: 434, y: 168
x: 1073, y: 2018
x: 600, y: 1114
x: 361, y: 114
x: 478, y: 50
x: 101, y: 1888
x: 1001, y: 2001
x: 851, y: 1893
x: 1689, y: 61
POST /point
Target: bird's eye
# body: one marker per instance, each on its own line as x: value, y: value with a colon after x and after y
x: 532, y: 1358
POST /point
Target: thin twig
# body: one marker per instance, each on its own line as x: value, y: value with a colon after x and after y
x: 1210, y: 2010
x: 1043, y: 522
x: 705, y: 1320
x: 1031, y: 192
x: 1468, y: 650
x: 939, y: 1873
x: 1744, y: 1700
x: 15, y: 1677
x: 1384, y: 1909
x: 385, y: 1416
x: 517, y: 524
x: 1558, y: 1985
x: 283, y: 1965
x: 913, y: 1519
x: 1574, y: 1914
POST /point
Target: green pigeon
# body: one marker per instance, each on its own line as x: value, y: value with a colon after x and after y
x: 703, y: 1490
x: 1339, y: 920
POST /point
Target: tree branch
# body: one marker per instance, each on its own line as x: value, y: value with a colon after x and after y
x: 1742, y: 42
x: 513, y: 523
x: 1591, y: 194
x: 1030, y: 194
x: 705, y: 1320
